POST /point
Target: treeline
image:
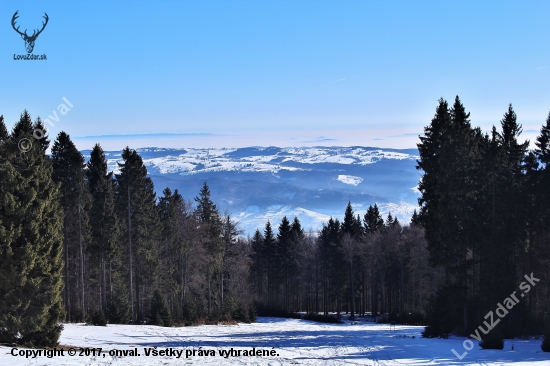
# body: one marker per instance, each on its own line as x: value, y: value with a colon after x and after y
x: 364, y: 265
x: 101, y: 247
x: 485, y: 208
x: 79, y: 243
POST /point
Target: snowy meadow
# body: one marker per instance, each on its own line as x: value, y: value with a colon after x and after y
x: 293, y: 342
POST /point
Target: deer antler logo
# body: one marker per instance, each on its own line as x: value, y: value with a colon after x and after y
x: 29, y: 40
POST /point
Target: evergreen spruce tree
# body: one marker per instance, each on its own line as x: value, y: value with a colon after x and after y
x: 136, y: 206
x: 268, y: 253
x: 334, y: 266
x: 396, y: 222
x: 349, y: 220
x: 351, y: 230
x: 464, y: 203
x: 184, y: 256
x: 542, y: 177
x: 372, y: 220
x: 118, y: 304
x: 190, y: 312
x: 511, y: 130
x: 68, y: 165
x: 415, y: 218
x: 502, y: 217
x: 98, y: 317
x: 257, y: 267
x: 450, y: 204
x: 30, y: 244
x: 3, y: 130
x: 297, y: 237
x: 389, y: 220
x: 539, y: 253
x: 206, y: 209
x: 297, y: 230
x: 24, y: 127
x: 284, y: 261
x: 104, y: 228
x: 211, y: 227
x: 430, y: 149
x: 40, y: 133
x: 159, y: 313
x: 351, y: 225
x: 534, y: 206
x: 227, y: 297
x: 169, y: 249
x: 542, y: 143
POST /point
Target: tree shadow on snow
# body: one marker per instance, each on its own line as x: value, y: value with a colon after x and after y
x: 332, y: 343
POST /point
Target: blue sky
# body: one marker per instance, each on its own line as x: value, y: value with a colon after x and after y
x: 285, y: 73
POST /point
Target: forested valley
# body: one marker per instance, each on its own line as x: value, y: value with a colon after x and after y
x: 81, y: 244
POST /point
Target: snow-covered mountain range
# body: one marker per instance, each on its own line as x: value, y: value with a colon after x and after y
x: 255, y: 184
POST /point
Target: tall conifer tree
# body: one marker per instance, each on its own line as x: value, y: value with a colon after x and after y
x: 449, y: 157
x: 268, y: 253
x: 68, y: 165
x: 104, y: 228
x: 211, y: 226
x: 136, y: 202
x: 372, y: 220
x: 543, y: 144
x: 283, y: 260
x: 30, y: 244
x: 3, y: 130
x: 41, y: 134
x: 257, y: 268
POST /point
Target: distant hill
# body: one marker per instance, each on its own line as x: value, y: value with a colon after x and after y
x: 255, y: 184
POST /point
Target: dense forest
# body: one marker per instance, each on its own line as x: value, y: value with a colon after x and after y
x: 485, y: 209
x: 79, y: 243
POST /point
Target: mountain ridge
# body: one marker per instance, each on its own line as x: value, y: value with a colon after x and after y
x: 256, y: 184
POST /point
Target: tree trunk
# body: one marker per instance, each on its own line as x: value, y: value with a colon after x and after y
x: 103, y: 285
x: 221, y: 285
x: 317, y: 289
x: 209, y: 292
x: 352, y: 293
x: 81, y: 258
x: 130, y: 256
x: 67, y: 282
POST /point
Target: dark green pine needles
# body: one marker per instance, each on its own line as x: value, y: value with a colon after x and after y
x: 31, y: 239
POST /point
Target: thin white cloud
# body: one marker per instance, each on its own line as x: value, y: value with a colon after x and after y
x: 544, y: 67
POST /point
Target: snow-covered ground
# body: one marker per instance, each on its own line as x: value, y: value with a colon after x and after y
x: 290, y: 341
